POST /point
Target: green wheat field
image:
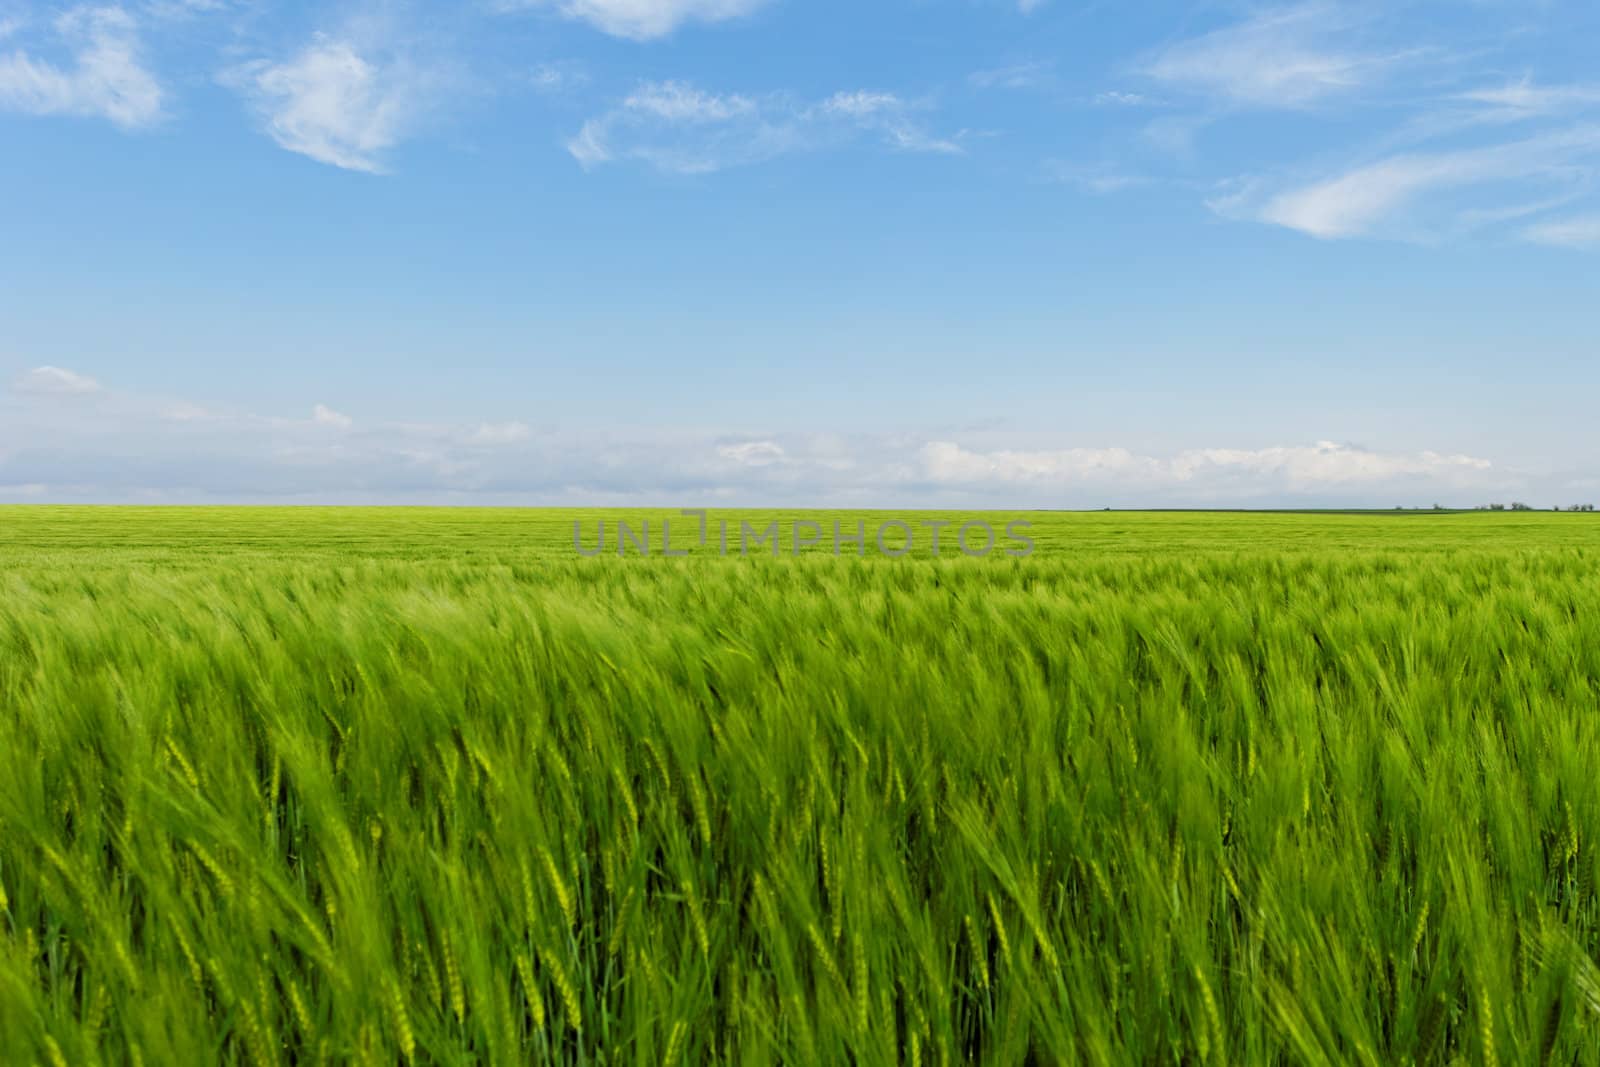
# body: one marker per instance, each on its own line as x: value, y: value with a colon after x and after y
x: 299, y: 786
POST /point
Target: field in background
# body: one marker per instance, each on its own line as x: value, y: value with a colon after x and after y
x: 425, y: 786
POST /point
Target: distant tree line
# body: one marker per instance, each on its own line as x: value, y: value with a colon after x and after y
x: 1517, y: 505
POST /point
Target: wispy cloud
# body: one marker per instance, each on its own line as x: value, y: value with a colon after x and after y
x: 679, y: 128
x: 1580, y: 232
x: 1525, y: 99
x: 1098, y: 179
x: 55, y: 380
x: 640, y: 19
x: 1359, y: 201
x: 106, y: 76
x: 1118, y: 98
x: 1033, y: 74
x: 186, y: 9
x: 1283, y: 58
x: 753, y: 453
x: 502, y: 433
x: 1429, y: 158
x: 183, y: 411
x: 679, y: 102
x: 323, y: 415
x: 337, y: 102
x: 558, y: 77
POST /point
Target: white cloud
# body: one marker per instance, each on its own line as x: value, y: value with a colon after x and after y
x: 1352, y: 203
x: 56, y: 380
x: 889, y: 116
x: 909, y: 137
x: 107, y: 77
x: 1527, y: 100
x: 641, y: 19
x: 753, y: 453
x: 1580, y: 232
x: 1285, y: 58
x: 558, y: 77
x: 326, y: 416
x: 1100, y: 180
x: 183, y: 411
x: 1029, y: 75
x: 679, y: 128
x: 947, y: 462
x: 501, y: 433
x: 862, y: 104
x: 185, y: 9
x: 335, y: 104
x: 127, y: 447
x: 679, y: 102
x: 1433, y: 167
x: 1358, y: 201
x: 589, y: 146
x: 1292, y: 468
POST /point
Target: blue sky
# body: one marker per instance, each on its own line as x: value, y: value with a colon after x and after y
x: 897, y: 252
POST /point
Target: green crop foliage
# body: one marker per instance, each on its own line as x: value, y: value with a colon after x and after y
x: 384, y: 787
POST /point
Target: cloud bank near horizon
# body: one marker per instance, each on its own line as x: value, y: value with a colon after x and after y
x: 66, y: 437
